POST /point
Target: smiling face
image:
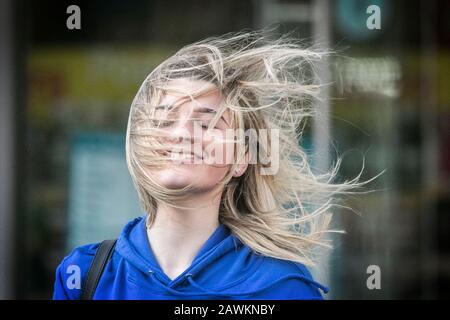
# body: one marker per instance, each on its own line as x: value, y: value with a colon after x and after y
x: 199, y: 157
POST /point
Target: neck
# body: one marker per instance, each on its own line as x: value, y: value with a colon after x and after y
x: 177, y: 235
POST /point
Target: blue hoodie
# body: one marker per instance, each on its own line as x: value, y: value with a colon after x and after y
x: 224, y: 268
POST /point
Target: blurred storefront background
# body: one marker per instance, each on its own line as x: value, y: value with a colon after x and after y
x: 64, y: 102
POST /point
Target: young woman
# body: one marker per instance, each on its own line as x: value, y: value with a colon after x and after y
x: 233, y: 208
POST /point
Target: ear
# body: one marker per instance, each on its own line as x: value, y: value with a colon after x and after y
x: 240, y: 170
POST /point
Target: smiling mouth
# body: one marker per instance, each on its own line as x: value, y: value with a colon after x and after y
x: 183, y: 156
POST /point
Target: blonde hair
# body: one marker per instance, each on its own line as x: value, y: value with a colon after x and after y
x: 267, y: 84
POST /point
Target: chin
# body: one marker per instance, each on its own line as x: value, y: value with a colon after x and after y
x: 175, y: 179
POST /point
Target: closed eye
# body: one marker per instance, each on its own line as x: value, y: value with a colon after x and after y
x: 165, y: 123
x: 161, y: 123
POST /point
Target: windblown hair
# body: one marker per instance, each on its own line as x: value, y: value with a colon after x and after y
x: 266, y: 83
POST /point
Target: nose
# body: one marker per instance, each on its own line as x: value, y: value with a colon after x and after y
x: 182, y: 129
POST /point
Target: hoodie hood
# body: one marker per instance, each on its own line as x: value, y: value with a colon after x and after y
x: 223, y: 267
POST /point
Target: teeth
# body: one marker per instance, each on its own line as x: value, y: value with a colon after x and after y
x: 187, y: 155
x: 184, y: 156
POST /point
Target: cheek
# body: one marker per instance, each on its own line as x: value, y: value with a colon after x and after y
x: 208, y: 175
x: 198, y: 174
x: 218, y: 149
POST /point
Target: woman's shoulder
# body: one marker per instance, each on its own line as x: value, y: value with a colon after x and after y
x: 81, y: 255
x: 72, y: 271
x: 289, y: 279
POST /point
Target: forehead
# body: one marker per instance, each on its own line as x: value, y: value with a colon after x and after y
x: 179, y: 91
x: 196, y: 94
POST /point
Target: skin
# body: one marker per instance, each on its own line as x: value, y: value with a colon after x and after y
x: 177, y: 235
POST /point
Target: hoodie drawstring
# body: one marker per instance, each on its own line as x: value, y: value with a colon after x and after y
x: 190, y: 279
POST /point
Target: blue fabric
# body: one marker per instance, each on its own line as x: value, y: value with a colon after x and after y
x: 224, y: 268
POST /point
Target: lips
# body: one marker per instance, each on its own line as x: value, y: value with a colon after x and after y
x: 182, y: 154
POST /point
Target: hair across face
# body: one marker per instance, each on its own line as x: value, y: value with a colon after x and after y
x: 197, y: 153
x: 262, y: 89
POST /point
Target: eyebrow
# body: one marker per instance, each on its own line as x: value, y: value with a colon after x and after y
x: 197, y: 110
x: 201, y: 109
x: 205, y: 110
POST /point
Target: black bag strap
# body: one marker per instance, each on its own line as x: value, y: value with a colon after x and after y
x: 101, y: 258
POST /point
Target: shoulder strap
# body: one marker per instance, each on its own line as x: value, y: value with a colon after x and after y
x: 101, y: 258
